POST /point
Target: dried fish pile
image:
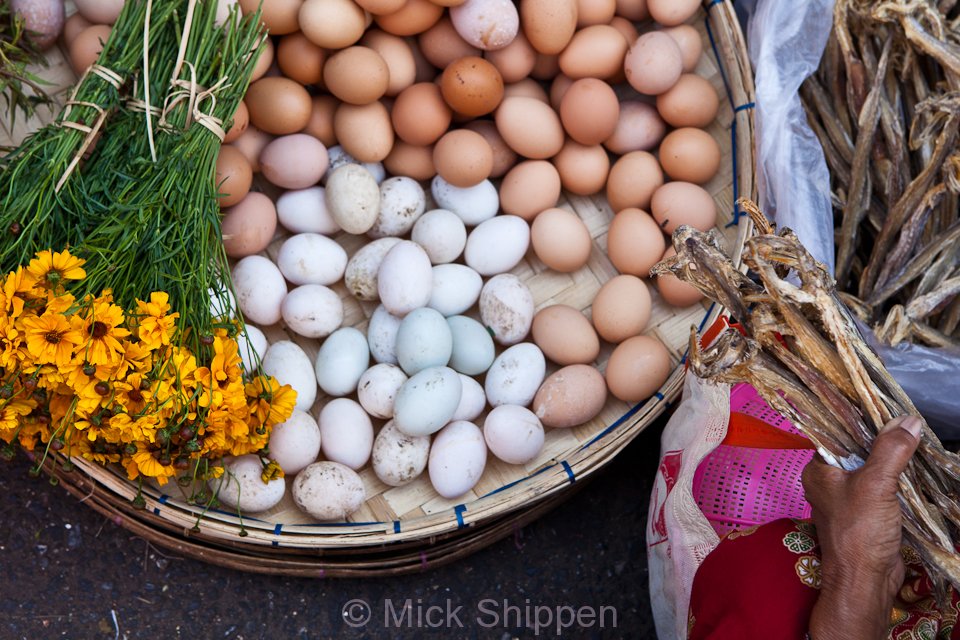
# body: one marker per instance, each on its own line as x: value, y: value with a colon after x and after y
x: 885, y: 104
x: 805, y: 356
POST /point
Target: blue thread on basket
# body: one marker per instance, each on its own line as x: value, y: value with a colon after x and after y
x: 396, y: 526
x: 716, y: 54
x: 163, y: 498
x: 570, y: 473
x: 276, y: 531
x: 156, y: 511
x: 713, y: 3
x: 458, y: 511
x: 518, y: 481
x: 616, y: 424
x: 737, y: 212
x: 658, y: 395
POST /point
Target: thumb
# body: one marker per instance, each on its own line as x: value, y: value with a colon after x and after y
x: 893, y: 448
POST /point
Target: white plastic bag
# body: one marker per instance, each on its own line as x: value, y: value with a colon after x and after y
x: 786, y: 41
x: 679, y: 536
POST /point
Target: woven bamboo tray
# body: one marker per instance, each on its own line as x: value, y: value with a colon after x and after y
x: 391, y: 530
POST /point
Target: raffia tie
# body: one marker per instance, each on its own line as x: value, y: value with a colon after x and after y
x: 196, y: 97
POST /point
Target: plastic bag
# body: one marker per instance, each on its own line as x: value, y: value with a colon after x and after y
x: 786, y: 41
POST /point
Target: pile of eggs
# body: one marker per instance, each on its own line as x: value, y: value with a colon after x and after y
x: 433, y: 139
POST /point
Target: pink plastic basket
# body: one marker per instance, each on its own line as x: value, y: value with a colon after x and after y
x: 739, y: 487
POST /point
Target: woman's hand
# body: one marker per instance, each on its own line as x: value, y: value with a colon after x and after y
x: 859, y: 528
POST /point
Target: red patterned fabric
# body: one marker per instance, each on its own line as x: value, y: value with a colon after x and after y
x: 762, y: 582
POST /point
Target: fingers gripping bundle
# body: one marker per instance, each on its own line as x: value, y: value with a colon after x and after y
x: 802, y: 351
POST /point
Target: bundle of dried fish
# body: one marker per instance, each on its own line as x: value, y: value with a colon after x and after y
x: 885, y: 104
x: 802, y: 351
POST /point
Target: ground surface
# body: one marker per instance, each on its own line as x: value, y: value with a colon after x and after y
x: 67, y: 572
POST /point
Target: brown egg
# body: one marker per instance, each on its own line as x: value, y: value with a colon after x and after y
x: 86, y: 47
x: 675, y: 291
x: 463, y: 158
x: 688, y: 39
x: 670, y: 13
x: 639, y: 128
x: 558, y: 89
x: 594, y: 52
x: 297, y: 161
x: 692, y: 102
x: 634, y: 10
x: 622, y: 308
x: 471, y: 86
x: 514, y: 61
x: 279, y: 16
x: 100, y: 11
x: 364, y: 131
x: 526, y: 88
x: 654, y: 63
x: 590, y: 12
x: 504, y: 158
x: 397, y: 54
x: 546, y: 67
x: 233, y: 176
x: 583, y: 169
x: 677, y: 203
x: 332, y: 24
x: 420, y: 115
x: 548, y: 24
x: 530, y: 127
x: 572, y: 396
x: 529, y: 188
x: 248, y: 226
x: 380, y: 7
x: 565, y: 335
x: 320, y: 125
x: 278, y: 105
x: 441, y: 44
x: 637, y: 368
x: 560, y: 240
x: 358, y: 75
x: 632, y: 181
x: 264, y: 61
x: 691, y: 155
x: 626, y: 29
x: 73, y: 26
x: 299, y: 59
x: 238, y: 124
x: 448, y: 3
x: 589, y: 111
x: 415, y: 16
x: 250, y: 143
x: 411, y: 161
x: 634, y: 242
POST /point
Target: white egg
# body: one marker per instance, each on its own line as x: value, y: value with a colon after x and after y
x: 427, y: 401
x: 310, y: 258
x: 260, y: 289
x: 241, y: 486
x: 251, y: 345
x: 423, y: 340
x: 405, y: 278
x: 361, y: 273
x: 312, y: 311
x: 457, y: 459
x: 456, y: 288
x: 382, y: 335
x: 353, y: 198
x: 473, y: 350
x: 346, y: 433
x: 515, y: 375
x: 328, y: 491
x: 338, y: 157
x: 513, y: 434
x: 305, y: 211
x: 287, y: 362
x: 342, y: 359
x: 497, y: 245
x: 402, y: 202
x: 397, y: 457
x: 473, y: 400
x: 442, y: 235
x: 295, y: 443
x: 378, y: 388
x: 473, y: 204
x: 486, y: 24
x: 506, y: 306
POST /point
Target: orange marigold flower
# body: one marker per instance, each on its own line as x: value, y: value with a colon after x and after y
x: 156, y: 325
x: 51, y: 269
x: 272, y: 403
x: 103, y: 328
x: 144, y: 463
x: 51, y: 339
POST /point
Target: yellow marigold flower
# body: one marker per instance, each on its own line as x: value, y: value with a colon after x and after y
x: 11, y: 415
x: 103, y: 328
x: 51, y: 269
x: 51, y: 339
x: 144, y: 463
x: 133, y: 357
x: 271, y: 403
x: 59, y: 302
x: 11, y: 352
x: 271, y: 472
x: 18, y: 286
x: 156, y: 324
x: 133, y: 393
